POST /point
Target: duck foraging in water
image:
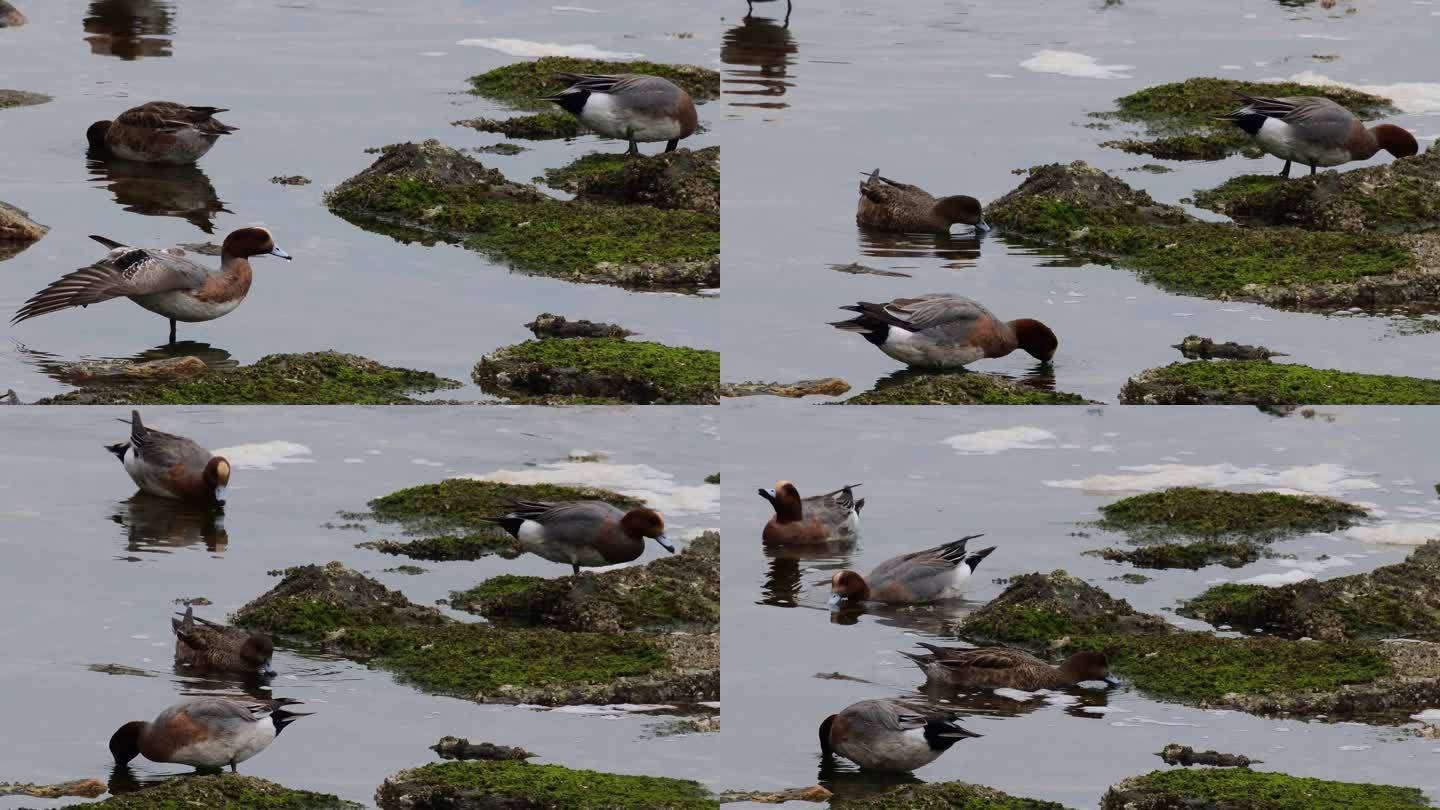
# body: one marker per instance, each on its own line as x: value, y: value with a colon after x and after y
x: 588, y: 533
x: 891, y: 735
x: 206, y: 733
x: 171, y: 466
x: 888, y: 205
x: 997, y: 667
x: 632, y: 107
x: 922, y: 576
x: 939, y: 330
x: 159, y: 132
x: 211, y: 647
x: 1315, y: 131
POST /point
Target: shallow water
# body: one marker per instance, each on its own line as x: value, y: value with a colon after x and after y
x: 933, y: 92
x: 96, y: 576
x: 311, y: 85
x: 932, y: 475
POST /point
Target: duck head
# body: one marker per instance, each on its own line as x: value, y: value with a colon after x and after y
x: 1035, y: 338
x: 217, y: 478
x: 847, y: 586
x: 251, y: 241
x: 1089, y: 666
x: 642, y: 522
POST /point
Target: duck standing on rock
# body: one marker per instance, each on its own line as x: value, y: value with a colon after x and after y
x: 633, y: 107
x: 206, y: 733
x: 159, y: 132
x: 1316, y: 131
x: 588, y: 533
x: 940, y: 330
x: 887, y: 205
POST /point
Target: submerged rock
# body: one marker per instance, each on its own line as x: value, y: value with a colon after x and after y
x: 316, y: 378
x: 827, y: 387
x: 814, y: 793
x: 84, y: 788
x: 1272, y: 385
x: 545, y: 126
x: 290, y: 180
x: 461, y: 748
x: 1192, y: 556
x: 523, y: 786
x: 676, y: 180
x: 1176, y: 754
x: 429, y: 191
x: 128, y: 371
x: 605, y: 370
x: 17, y: 230
x: 1234, y: 788
x: 10, y: 16
x: 21, y: 98
x: 958, y: 388
x: 1195, y: 347
x: 1213, y: 513
x: 548, y: 325
x: 1039, y: 608
x: 945, y: 796
x: 226, y: 791
x: 858, y: 269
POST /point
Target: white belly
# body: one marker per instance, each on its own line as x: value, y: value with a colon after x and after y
x: 601, y: 114
x: 182, y: 306
x: 918, y: 350
x: 145, y: 476
x: 189, y: 146
x: 955, y: 582
x: 1278, y: 138
x: 851, y: 526
x: 238, y: 747
x: 896, y: 752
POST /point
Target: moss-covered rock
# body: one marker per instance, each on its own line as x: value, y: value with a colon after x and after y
x: 1178, y: 119
x: 222, y: 792
x: 603, y: 370
x: 550, y: 325
x: 463, y: 749
x: 1185, y: 555
x: 315, y: 378
x: 945, y: 796
x: 20, y: 98
x: 343, y: 612
x: 523, y: 786
x: 522, y: 83
x: 958, y: 388
x: 542, y: 126
x: 681, y: 592
x: 1195, y: 347
x: 674, y: 180
x: 448, y: 518
x: 1272, y: 385
x: 1037, y: 609
x: 1213, y: 513
x: 419, y: 191
x: 1176, y: 754
x: 1243, y: 789
x: 1399, y: 599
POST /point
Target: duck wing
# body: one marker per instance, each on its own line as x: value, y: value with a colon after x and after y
x: 569, y: 521
x: 125, y: 271
x: 1320, y: 119
x: 168, y: 116
x: 988, y: 658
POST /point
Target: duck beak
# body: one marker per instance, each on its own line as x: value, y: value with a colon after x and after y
x: 1112, y: 680
x: 767, y: 494
x: 982, y: 226
x: 220, y: 495
x: 835, y: 599
x: 276, y: 251
x: 267, y: 672
x: 665, y: 543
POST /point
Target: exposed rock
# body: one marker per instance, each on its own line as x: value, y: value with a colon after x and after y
x: 524, y: 82
x: 17, y: 226
x: 426, y: 164
x: 20, y: 98
x: 461, y: 748
x: 946, y: 796
x: 224, y: 791
x: 1237, y: 788
x: 1195, y: 347
x: 1040, y: 608
x: 523, y: 786
x: 1272, y: 385
x: 814, y: 793
x: 826, y: 387
x: 858, y: 269
x: 1079, y: 186
x: 109, y: 372
x: 85, y: 788
x: 1201, y: 512
x: 290, y: 180
x: 910, y: 387
x: 1192, y: 556
x: 548, y: 325
x: 1409, y: 684
x: 1176, y: 754
x: 601, y: 370
x: 545, y: 126
x: 675, y: 180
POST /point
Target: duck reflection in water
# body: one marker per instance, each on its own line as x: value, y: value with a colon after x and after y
x: 959, y: 251
x: 111, y: 370
x: 158, y: 190
x: 762, y: 51
x: 783, y: 584
x: 160, y: 525
x: 130, y: 29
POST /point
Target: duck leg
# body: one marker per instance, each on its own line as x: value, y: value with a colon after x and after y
x: 172, y: 330
x: 634, y: 150
x: 1285, y: 172
x: 670, y: 147
x: 576, y: 566
x: 1312, y: 169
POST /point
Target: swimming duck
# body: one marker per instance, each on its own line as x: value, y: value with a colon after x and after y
x: 920, y: 576
x: 939, y: 330
x: 171, y: 466
x: 588, y: 533
x: 1316, y: 131
x: 207, y: 733
x: 208, y: 646
x: 159, y: 132
x: 996, y: 667
x: 891, y: 735
x: 162, y: 281
x: 816, y: 519
x: 888, y: 205
x: 630, y: 106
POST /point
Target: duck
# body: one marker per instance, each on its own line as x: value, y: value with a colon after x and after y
x: 207, y: 733
x: 165, y: 282
x: 816, y: 519
x: 997, y: 667
x: 1315, y: 131
x: 588, y: 533
x: 922, y: 576
x: 212, y: 647
x: 159, y: 132
x: 891, y: 735
x: 633, y: 107
x: 889, y: 205
x: 171, y: 466
x: 940, y: 330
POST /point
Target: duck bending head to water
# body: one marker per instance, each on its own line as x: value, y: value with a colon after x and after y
x: 891, y: 735
x: 939, y: 330
x: 632, y: 107
x: 889, y: 205
x: 1315, y: 131
x: 159, y: 132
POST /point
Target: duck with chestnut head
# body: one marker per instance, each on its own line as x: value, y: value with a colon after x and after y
x: 817, y: 519
x: 583, y: 533
x: 928, y: 575
x: 1315, y: 131
x: 171, y: 466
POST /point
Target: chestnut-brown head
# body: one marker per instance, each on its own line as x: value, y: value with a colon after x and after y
x: 251, y: 241
x: 1396, y: 140
x: 1088, y: 666
x: 847, y: 586
x: 1035, y: 338
x: 962, y: 210
x: 256, y: 652
x: 217, y: 478
x: 825, y: 726
x: 786, y: 500
x: 125, y: 742
x: 95, y: 135
x: 641, y: 522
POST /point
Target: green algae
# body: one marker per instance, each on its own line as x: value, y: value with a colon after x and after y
x: 1183, y: 147
x: 586, y: 168
x: 1036, y: 609
x: 1214, y: 513
x: 682, y: 179
x: 523, y: 84
x: 605, y: 368
x: 1239, y: 788
x: 542, y: 126
x: 958, y: 388
x: 317, y: 378
x: 221, y: 792
x: 1395, y: 197
x: 1192, y: 556
x: 945, y: 796
x: 1266, y: 384
x: 524, y: 786
x: 714, y: 478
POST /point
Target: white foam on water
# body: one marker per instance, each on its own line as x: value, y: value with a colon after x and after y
x: 265, y: 455
x: 1102, y: 710
x: 1332, y: 37
x: 425, y: 462
x: 1431, y: 716
x: 580, y: 9
x: 1395, y: 534
x: 352, y: 461
x: 610, y: 708
x: 999, y: 76
x: 657, y: 488
x: 1315, y: 566
x: 1356, y: 747
x: 1410, y: 97
x: 525, y: 47
x: 1071, y: 63
x: 992, y: 442
x: 1275, y: 580
x: 1319, y: 479
x: 1018, y: 695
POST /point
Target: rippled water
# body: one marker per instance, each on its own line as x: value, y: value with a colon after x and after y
x: 934, y: 93
x: 1026, y: 478
x: 89, y: 576
x: 310, y: 85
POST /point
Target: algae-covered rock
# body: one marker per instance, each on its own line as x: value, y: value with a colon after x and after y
x: 679, y: 180
x: 316, y: 378
x: 221, y: 792
x: 1244, y: 789
x: 1214, y: 513
x: 1272, y: 385
x: 671, y: 593
x: 1195, y: 347
x: 826, y: 387
x: 523, y: 83
x: 1400, y: 599
x: 958, y: 388
x: 1406, y: 681
x: 1176, y: 754
x: 1192, y: 556
x: 542, y: 126
x: 21, y: 98
x: 548, y: 325
x: 448, y: 518
x: 461, y: 748
x: 523, y: 786
x: 429, y: 191
x: 813, y: 793
x: 1039, y: 608
x: 131, y: 371
x: 1178, y: 120
x: 945, y: 796
x: 601, y: 369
